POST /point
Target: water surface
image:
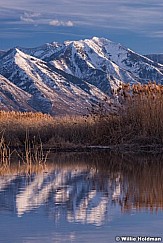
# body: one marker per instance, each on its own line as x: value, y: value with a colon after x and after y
x: 82, y: 198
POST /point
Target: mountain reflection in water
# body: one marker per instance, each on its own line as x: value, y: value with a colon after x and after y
x: 85, y: 188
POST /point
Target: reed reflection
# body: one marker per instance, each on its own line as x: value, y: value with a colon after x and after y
x: 85, y: 188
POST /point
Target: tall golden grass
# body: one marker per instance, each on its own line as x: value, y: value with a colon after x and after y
x: 56, y: 131
x: 142, y: 114
x: 138, y: 119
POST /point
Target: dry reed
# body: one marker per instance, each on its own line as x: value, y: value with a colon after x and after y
x: 139, y: 119
x: 143, y: 112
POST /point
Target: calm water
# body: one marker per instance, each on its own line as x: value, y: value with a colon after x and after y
x: 82, y: 198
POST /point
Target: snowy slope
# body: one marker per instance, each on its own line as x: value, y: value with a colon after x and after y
x: 12, y: 97
x: 87, y: 58
x: 2, y: 53
x: 44, y: 51
x: 82, y: 61
x: 158, y: 58
x: 51, y: 91
x: 69, y: 77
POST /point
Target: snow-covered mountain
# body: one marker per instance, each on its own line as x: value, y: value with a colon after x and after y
x: 12, y: 97
x: 44, y: 51
x: 87, y: 59
x: 50, y: 90
x: 69, y: 77
x: 158, y: 58
x: 2, y: 53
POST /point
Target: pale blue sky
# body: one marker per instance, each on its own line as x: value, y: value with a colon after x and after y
x: 136, y: 24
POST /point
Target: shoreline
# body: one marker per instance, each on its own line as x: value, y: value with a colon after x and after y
x: 119, y: 148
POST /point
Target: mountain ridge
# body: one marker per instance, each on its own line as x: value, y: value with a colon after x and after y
x: 70, y: 77
x: 158, y: 58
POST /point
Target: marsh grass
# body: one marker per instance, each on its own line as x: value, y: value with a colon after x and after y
x: 5, y: 152
x: 142, y: 112
x: 137, y: 119
x: 33, y: 152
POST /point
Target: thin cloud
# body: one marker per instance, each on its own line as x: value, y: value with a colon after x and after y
x: 43, y: 19
x: 158, y: 34
x: 29, y: 17
x: 57, y: 22
x: 141, y: 17
x: 126, y: 14
x: 154, y: 34
x: 27, y: 20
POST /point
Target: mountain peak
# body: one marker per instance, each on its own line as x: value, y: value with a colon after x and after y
x: 101, y: 39
x: 70, y: 76
x: 11, y: 53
